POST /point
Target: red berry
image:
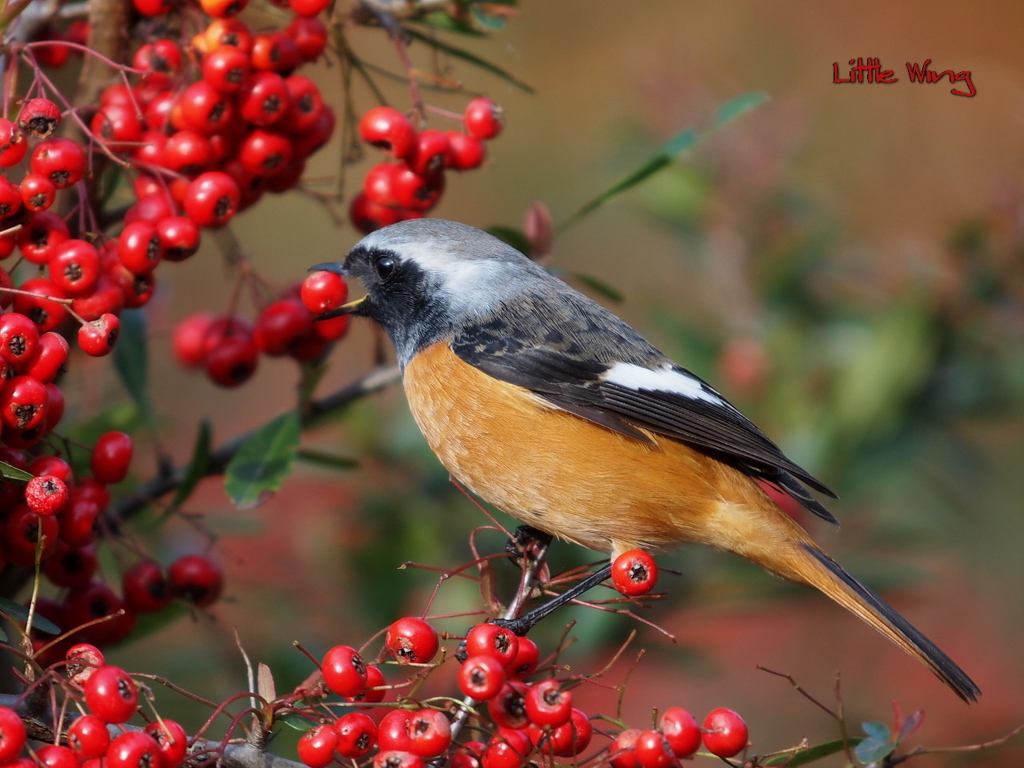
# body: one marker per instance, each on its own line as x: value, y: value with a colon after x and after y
x: 621, y: 753
x: 415, y: 192
x: 357, y: 735
x: 83, y: 661
x: 111, y: 457
x: 39, y: 118
x: 111, y: 695
x: 196, y: 579
x: 344, y: 671
x: 161, y: 57
x: 189, y: 339
x: 55, y: 756
x: 306, y: 103
x: 74, y: 267
x: 412, y: 640
x: 97, y: 337
x: 264, y: 99
x: 206, y: 109
x: 681, y: 731
x: 316, y: 746
x: 22, y: 532
x: 492, y: 640
x: 374, y: 692
x: 465, y: 152
x: 634, y: 573
x: 430, y: 733
x: 547, y: 705
x: 393, y: 730
x: 225, y: 69
x: 508, y: 748
x: 379, y: 184
x: 19, y: 338
x: 37, y: 192
x: 275, y: 52
x: 308, y: 7
x: 725, y: 733
x: 571, y: 738
x: 179, y: 237
x: 46, y: 495
x: 61, y: 160
x: 10, y: 198
x: 388, y: 129
x: 481, y: 677
x: 265, y: 153
x: 72, y: 567
x: 171, y: 740
x: 95, y: 601
x: 140, y: 248
x: 508, y: 708
x: 188, y: 152
x: 653, y: 751
x: 310, y: 36
x: 145, y: 588
x: 23, y: 402
x: 233, y: 361
x: 526, y: 660
x: 118, y: 126
x: 483, y: 118
x: 368, y: 216
x: 12, y: 734
x: 429, y: 154
x: 322, y: 291
x: 212, y: 199
x: 88, y: 737
x: 135, y: 749
x: 40, y: 237
x: 13, y: 143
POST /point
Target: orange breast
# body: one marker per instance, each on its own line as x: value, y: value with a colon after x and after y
x: 578, y: 480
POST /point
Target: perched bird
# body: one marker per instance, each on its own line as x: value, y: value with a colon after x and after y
x: 548, y: 406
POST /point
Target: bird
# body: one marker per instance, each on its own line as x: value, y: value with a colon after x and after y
x: 547, y: 405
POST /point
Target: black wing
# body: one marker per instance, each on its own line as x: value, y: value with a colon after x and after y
x: 561, y: 373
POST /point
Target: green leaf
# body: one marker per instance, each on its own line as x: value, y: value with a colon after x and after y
x: 19, y: 612
x: 809, y: 755
x: 196, y: 467
x: 468, y: 57
x: 11, y: 472
x: 131, y: 360
x: 263, y: 462
x: 668, y: 152
x: 327, y: 459
x: 876, y: 746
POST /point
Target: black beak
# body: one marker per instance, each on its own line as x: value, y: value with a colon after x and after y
x: 336, y: 267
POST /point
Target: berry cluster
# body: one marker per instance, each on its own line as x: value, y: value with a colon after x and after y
x: 110, y: 697
x: 410, y: 185
x: 228, y: 347
x: 512, y: 719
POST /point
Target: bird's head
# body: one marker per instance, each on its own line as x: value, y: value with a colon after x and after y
x: 425, y: 278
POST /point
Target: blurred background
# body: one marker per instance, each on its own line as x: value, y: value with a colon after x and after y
x: 844, y: 263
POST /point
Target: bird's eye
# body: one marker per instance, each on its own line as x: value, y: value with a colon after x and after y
x: 384, y: 266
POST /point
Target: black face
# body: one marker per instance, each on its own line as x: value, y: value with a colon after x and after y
x: 400, y: 297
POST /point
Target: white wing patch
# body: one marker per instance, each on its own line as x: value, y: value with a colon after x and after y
x: 665, y: 379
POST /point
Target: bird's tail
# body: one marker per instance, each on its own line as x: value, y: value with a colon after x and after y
x: 825, y: 574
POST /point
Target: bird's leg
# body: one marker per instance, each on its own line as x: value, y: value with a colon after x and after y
x: 526, y: 622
